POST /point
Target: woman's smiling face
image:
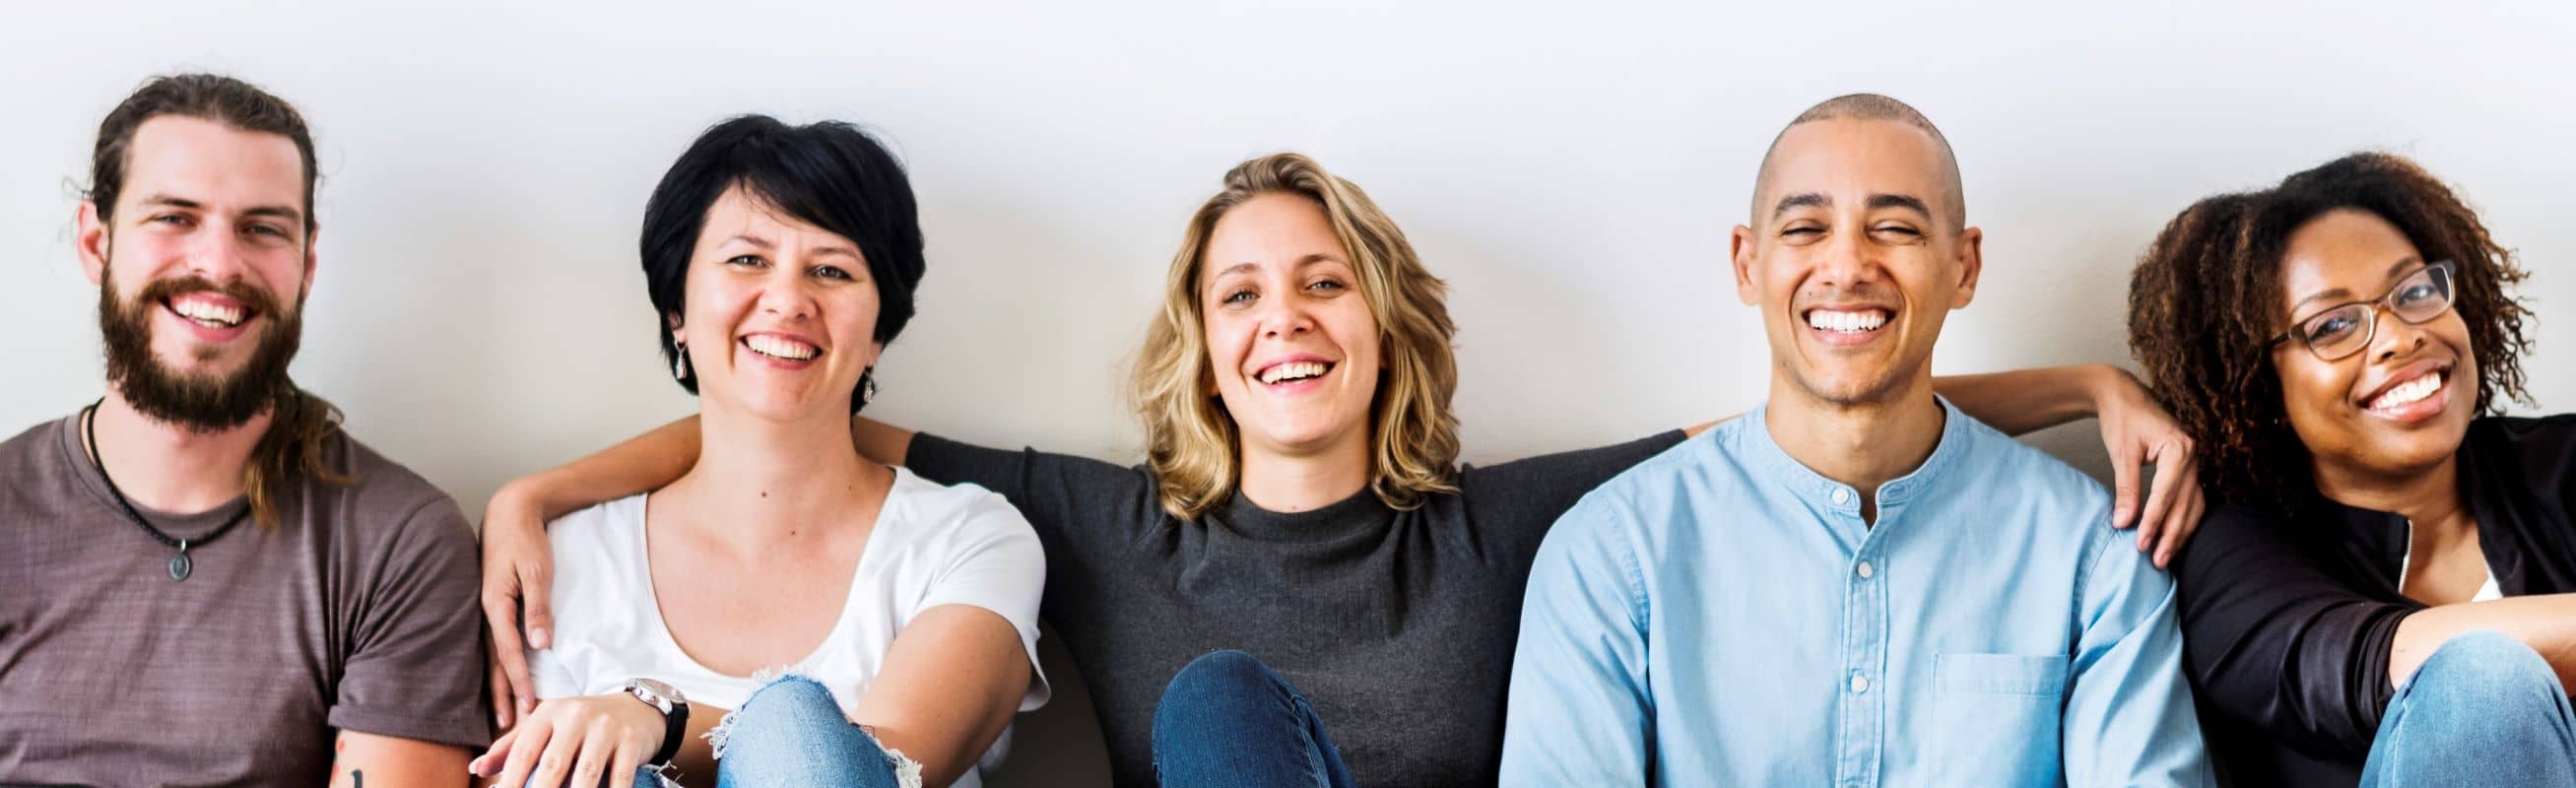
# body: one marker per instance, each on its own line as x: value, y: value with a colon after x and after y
x: 2403, y: 402
x: 1291, y: 343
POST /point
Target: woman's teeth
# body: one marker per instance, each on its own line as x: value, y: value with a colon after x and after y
x: 207, y: 313
x: 1854, y: 322
x: 780, y: 347
x: 2407, y: 393
x: 1294, y: 370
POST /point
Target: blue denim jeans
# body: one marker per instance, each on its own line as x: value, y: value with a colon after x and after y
x: 2483, y: 710
x: 1228, y: 721
x: 791, y: 733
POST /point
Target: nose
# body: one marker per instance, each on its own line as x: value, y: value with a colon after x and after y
x: 787, y: 294
x: 1849, y: 261
x: 2391, y: 336
x: 1284, y: 318
x: 219, y: 256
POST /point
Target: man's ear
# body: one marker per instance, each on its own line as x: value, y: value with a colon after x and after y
x: 312, y: 257
x: 1739, y: 248
x: 90, y: 236
x: 1972, y: 264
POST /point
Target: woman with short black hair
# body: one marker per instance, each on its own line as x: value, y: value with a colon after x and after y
x: 901, y: 614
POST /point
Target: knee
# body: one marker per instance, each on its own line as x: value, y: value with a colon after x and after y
x: 1223, y: 669
x: 2490, y: 670
x: 1219, y: 685
x: 785, y: 704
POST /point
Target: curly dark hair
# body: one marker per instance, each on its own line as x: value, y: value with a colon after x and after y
x: 2204, y: 306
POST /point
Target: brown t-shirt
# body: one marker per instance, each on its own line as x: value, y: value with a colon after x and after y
x: 357, y: 612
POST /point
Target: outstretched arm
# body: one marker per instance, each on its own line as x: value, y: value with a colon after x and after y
x: 2135, y: 430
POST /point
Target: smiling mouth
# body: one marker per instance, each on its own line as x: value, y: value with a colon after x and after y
x: 2409, y: 392
x: 1293, y: 371
x: 781, y: 348
x: 206, y: 312
x: 1848, y: 321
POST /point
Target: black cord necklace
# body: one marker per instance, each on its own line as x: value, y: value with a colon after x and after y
x: 180, y: 565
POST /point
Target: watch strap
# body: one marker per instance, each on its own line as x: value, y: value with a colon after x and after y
x: 675, y: 726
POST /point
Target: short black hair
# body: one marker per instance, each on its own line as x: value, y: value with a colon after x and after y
x: 828, y: 174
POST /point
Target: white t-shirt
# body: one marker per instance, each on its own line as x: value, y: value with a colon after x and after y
x: 931, y: 546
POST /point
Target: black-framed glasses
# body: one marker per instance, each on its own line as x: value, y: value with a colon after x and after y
x: 2344, y: 329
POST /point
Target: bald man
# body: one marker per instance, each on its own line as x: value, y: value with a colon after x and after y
x: 1855, y: 584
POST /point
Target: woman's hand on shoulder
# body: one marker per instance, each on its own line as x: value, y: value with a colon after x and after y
x: 518, y: 569
x: 589, y: 740
x: 2137, y: 431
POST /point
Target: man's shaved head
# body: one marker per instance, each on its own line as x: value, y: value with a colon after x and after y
x: 1872, y: 106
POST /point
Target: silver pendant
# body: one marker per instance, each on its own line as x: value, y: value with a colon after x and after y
x: 180, y: 566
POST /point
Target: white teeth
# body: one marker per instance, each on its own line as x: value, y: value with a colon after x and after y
x: 1836, y: 320
x: 780, y: 347
x: 207, y: 312
x: 2408, y: 393
x: 1294, y: 370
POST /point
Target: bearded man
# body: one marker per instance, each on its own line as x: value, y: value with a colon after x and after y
x: 203, y: 579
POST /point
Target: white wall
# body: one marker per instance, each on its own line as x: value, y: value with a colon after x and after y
x: 1572, y: 172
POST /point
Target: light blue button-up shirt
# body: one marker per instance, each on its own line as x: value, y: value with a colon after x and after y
x: 1720, y: 615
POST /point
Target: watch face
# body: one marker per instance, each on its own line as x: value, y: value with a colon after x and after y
x: 660, y: 691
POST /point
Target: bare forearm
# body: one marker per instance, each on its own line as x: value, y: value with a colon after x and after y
x: 2027, y: 400
x: 2545, y: 622
x: 644, y: 462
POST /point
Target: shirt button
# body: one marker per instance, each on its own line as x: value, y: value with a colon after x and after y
x: 1865, y: 571
x: 1842, y: 497
x: 1859, y: 684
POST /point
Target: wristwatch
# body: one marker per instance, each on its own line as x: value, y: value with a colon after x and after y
x: 675, y: 715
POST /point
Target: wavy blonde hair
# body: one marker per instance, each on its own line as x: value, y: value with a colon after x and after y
x: 1193, y: 445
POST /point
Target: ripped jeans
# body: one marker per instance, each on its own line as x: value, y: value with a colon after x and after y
x: 791, y: 734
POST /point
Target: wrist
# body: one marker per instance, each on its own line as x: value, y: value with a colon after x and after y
x: 2103, y: 385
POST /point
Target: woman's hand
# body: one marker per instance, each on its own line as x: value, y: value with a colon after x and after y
x: 518, y: 567
x: 2137, y: 431
x: 576, y: 741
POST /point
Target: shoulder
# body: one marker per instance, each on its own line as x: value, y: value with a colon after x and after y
x: 385, y: 508
x: 30, y: 444
x: 589, y: 534
x: 2034, y: 475
x: 933, y: 511
x: 384, y: 491
x: 2541, y: 440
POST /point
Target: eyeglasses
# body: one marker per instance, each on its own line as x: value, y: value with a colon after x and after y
x: 2345, y: 329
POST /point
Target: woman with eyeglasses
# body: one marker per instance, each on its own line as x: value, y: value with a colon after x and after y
x: 2383, y: 598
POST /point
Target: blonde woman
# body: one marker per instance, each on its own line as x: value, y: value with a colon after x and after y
x: 1301, y: 547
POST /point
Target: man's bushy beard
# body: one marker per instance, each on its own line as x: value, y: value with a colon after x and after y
x: 200, y: 403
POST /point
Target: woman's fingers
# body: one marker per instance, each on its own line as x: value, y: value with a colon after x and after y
x: 489, y: 763
x: 2125, y: 459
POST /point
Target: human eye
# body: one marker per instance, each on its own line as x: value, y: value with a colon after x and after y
x: 1327, y: 284
x: 2330, y: 327
x: 1236, y: 296
x: 1802, y: 232
x: 747, y: 261
x: 833, y: 272
x: 1898, y: 230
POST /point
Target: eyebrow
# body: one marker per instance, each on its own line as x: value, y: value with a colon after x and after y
x: 2403, y: 263
x: 758, y: 242
x: 1801, y: 200
x: 1905, y: 201
x: 1311, y: 259
x: 276, y: 211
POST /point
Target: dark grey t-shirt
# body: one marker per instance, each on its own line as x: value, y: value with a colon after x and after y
x: 356, y: 612
x: 1397, y: 625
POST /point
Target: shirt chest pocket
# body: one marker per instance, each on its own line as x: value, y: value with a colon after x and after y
x: 1995, y: 719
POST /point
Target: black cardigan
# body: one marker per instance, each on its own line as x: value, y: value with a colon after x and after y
x: 2287, y: 622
